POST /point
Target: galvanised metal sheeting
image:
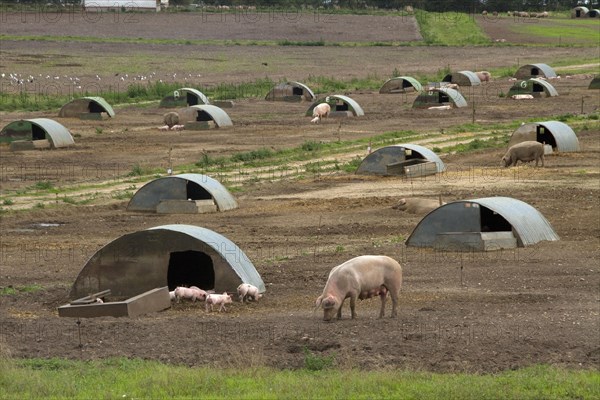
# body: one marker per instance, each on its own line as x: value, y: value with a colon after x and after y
x: 463, y: 78
x: 377, y: 161
x: 401, y: 84
x: 533, y: 86
x: 195, y: 92
x: 534, y: 71
x: 284, y: 89
x: 56, y: 133
x: 236, y: 258
x: 174, y: 187
x: 218, y: 115
x: 528, y: 224
x: 565, y: 138
x: 353, y: 106
x: 434, y: 97
x: 140, y: 261
x: 84, y: 105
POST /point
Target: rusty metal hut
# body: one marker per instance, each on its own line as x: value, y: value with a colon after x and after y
x: 439, y: 96
x: 37, y: 133
x: 182, y: 194
x: 535, y: 71
x: 556, y: 134
x: 401, y: 84
x: 290, y: 91
x: 341, y: 106
x: 463, y: 78
x: 167, y: 255
x: 184, y: 97
x: 489, y: 223
x: 409, y: 160
x: 86, y: 108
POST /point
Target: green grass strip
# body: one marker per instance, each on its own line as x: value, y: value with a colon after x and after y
x: 124, y: 379
x: 450, y: 29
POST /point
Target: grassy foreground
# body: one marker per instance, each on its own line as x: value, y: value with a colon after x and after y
x: 124, y: 378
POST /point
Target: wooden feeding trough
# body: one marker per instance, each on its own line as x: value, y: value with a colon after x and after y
x: 89, y: 307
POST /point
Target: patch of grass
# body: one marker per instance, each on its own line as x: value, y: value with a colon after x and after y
x: 565, y: 32
x: 287, y: 42
x: 43, y: 185
x: 134, y: 378
x: 316, y: 362
x: 10, y: 290
x: 259, y: 154
x: 8, y: 202
x: 450, y: 29
x: 99, y: 130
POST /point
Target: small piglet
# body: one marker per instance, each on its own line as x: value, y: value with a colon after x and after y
x: 192, y: 293
x: 218, y: 299
x: 248, y: 291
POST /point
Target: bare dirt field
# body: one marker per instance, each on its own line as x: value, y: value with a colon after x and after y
x: 480, y: 312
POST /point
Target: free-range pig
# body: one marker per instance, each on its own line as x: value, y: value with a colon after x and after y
x: 361, y: 278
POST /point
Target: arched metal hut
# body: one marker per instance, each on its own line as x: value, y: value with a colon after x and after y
x: 409, y: 160
x: 202, y: 116
x: 340, y: 106
x: 182, y: 194
x: 554, y: 133
x: 290, y: 91
x: 37, y: 133
x: 401, y: 84
x: 184, y: 97
x: 86, y: 108
x: 595, y: 83
x: 579, y: 12
x: 439, y: 96
x: 535, y: 71
x: 488, y: 223
x: 593, y: 13
x: 167, y: 255
x: 463, y: 78
x: 535, y: 87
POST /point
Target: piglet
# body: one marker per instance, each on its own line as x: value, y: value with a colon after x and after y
x: 218, y: 299
x: 248, y: 291
x: 192, y: 293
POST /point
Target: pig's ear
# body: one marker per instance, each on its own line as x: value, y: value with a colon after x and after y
x: 329, y: 302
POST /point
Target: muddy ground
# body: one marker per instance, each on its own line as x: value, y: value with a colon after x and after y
x: 480, y: 312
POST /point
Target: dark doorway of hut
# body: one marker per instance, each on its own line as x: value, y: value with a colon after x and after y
x: 296, y: 91
x: 544, y: 136
x: 191, y: 99
x: 37, y: 133
x: 493, y: 222
x: 190, y: 268
x: 196, y: 192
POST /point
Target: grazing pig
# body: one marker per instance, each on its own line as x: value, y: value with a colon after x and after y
x: 416, y: 205
x: 170, y: 119
x: 524, y: 152
x: 484, y: 76
x: 218, y: 299
x: 522, y: 96
x: 361, y: 277
x: 248, y: 291
x: 192, y: 293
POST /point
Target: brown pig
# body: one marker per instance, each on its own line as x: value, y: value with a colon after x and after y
x: 361, y: 277
x: 524, y: 152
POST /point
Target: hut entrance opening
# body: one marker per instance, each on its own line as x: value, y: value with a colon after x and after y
x: 203, y: 116
x: 196, y: 192
x: 535, y: 71
x: 190, y: 268
x: 544, y: 136
x: 191, y: 99
x: 296, y: 91
x: 493, y: 222
x: 537, y: 88
x: 94, y: 107
x: 443, y: 98
x: 341, y: 106
x: 37, y: 133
